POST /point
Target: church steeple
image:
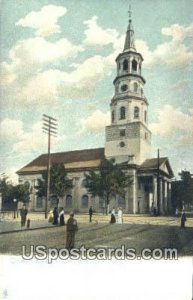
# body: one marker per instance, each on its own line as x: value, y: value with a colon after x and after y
x: 129, y: 40
x: 128, y: 135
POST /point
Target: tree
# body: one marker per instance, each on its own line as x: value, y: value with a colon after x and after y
x: 20, y: 192
x: 187, y: 187
x: 109, y: 181
x: 182, y: 190
x: 59, y: 182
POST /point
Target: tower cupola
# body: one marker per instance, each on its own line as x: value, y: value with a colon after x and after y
x: 128, y: 135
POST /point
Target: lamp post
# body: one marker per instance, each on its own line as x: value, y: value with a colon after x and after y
x: 14, y: 213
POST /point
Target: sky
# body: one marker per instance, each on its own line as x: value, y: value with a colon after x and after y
x: 58, y: 58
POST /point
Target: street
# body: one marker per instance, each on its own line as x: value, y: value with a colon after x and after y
x: 137, y: 232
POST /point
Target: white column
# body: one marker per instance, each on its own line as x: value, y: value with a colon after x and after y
x: 161, y: 195
x: 166, y: 196
x: 155, y: 191
x: 169, y: 197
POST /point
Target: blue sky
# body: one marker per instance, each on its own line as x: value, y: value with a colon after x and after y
x: 58, y: 58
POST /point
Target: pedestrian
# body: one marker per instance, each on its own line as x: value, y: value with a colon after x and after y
x: 183, y: 219
x: 50, y: 216
x: 177, y: 212
x: 120, y: 216
x: 55, y: 216
x: 71, y: 229
x: 90, y: 214
x: 61, y: 216
x: 23, y: 214
x: 113, y: 211
x: 113, y: 219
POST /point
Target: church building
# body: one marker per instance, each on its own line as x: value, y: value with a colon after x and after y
x: 128, y: 142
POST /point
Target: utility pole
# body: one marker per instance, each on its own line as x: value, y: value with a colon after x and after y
x: 158, y: 183
x: 50, y: 128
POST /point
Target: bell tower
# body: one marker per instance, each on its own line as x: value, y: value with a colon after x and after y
x: 128, y: 138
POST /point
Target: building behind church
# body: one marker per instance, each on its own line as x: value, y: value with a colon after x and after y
x: 128, y: 142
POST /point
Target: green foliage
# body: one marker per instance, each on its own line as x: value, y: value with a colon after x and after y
x: 21, y: 192
x: 109, y: 181
x: 182, y: 190
x: 41, y: 186
x: 9, y: 192
x: 59, y: 182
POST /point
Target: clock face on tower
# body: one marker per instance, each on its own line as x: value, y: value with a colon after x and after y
x: 124, y: 87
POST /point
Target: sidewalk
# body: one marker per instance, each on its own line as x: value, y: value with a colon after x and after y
x: 8, y: 224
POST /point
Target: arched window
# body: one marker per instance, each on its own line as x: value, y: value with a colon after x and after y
x: 68, y: 201
x: 84, y: 201
x: 125, y: 65
x: 135, y: 87
x: 101, y: 202
x: 136, y: 112
x: 39, y: 202
x: 121, y: 201
x: 122, y: 113
x: 145, y: 116
x: 113, y: 116
x: 83, y: 183
x: 53, y: 201
x: 134, y: 65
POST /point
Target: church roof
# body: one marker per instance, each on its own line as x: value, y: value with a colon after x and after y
x: 152, y: 164
x: 87, y: 158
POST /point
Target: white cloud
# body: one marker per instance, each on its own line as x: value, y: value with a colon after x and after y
x: 97, y: 36
x: 26, y: 141
x: 178, y: 32
x: 171, y: 121
x: 35, y: 140
x: 179, y: 85
x: 35, y: 53
x: 97, y: 121
x: 41, y: 82
x: 45, y: 20
x: 45, y: 87
x: 148, y: 55
x: 11, y: 174
x: 174, y: 53
x: 11, y: 129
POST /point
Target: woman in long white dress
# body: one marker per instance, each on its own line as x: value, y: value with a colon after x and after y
x: 120, y: 216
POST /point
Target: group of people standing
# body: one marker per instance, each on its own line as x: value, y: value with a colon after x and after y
x: 116, y: 217
x: 56, y: 217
